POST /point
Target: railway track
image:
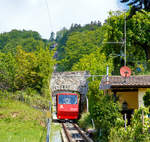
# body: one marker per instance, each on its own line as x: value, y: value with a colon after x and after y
x: 74, y: 134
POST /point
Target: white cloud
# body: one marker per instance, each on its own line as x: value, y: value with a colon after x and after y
x: 33, y: 14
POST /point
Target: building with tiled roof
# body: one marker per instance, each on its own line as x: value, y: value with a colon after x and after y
x: 142, y: 81
x: 129, y: 90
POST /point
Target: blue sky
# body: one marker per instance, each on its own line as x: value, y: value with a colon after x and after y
x: 45, y: 16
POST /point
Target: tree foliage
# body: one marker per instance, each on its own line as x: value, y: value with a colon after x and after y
x: 95, y: 63
x: 137, y: 5
x: 79, y: 41
x: 146, y: 98
x: 7, y: 71
x: 137, y: 39
x: 79, y: 44
x: 137, y: 131
x: 87, y: 48
x: 24, y: 61
x: 75, y: 32
x: 25, y: 69
x: 29, y: 40
x: 104, y: 111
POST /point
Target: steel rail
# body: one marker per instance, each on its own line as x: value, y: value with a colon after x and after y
x: 70, y: 139
x: 82, y: 134
x: 66, y: 132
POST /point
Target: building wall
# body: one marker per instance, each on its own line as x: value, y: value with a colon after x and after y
x: 141, y: 92
x: 130, y: 97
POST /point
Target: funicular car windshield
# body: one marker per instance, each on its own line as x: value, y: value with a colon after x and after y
x: 67, y: 99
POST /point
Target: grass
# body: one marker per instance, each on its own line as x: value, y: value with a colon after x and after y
x: 21, y: 123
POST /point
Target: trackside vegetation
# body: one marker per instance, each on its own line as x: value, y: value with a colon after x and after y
x: 27, y: 62
x: 26, y: 65
x: 87, y: 48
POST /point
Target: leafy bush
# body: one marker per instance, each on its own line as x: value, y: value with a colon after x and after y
x: 24, y: 70
x: 85, y: 121
x: 104, y: 111
x: 136, y: 131
x: 32, y: 98
x: 146, y: 98
x: 4, y: 94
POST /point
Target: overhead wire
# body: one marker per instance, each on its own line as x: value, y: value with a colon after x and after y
x: 49, y: 17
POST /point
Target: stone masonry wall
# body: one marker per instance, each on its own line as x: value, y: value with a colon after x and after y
x: 69, y: 81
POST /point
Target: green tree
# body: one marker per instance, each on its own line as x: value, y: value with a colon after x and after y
x: 138, y: 34
x: 78, y: 45
x: 44, y: 68
x: 137, y: 5
x: 26, y: 63
x: 64, y: 35
x: 52, y: 37
x: 7, y: 71
x: 29, y: 40
x: 25, y: 74
x: 33, y: 69
x: 95, y: 63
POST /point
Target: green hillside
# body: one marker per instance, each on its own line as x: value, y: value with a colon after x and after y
x: 21, y: 123
x: 26, y: 65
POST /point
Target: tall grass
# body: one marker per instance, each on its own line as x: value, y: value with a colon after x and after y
x: 21, y: 123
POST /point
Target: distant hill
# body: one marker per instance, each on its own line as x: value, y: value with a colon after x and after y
x: 29, y: 40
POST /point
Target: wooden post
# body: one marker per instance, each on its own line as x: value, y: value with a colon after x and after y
x: 125, y: 118
x: 93, y: 78
x: 143, y: 120
x: 87, y: 104
x: 93, y: 123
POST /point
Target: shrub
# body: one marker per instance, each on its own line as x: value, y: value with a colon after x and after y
x: 4, y: 94
x: 104, y: 111
x: 31, y: 97
x: 146, y: 98
x: 85, y: 121
x: 135, y: 132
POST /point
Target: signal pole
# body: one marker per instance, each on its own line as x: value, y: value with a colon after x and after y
x: 124, y: 42
x: 125, y: 46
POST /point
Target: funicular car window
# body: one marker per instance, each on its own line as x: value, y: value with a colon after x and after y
x: 67, y: 99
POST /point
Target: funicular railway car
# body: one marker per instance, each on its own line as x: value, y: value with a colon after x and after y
x: 67, y: 106
x: 68, y: 94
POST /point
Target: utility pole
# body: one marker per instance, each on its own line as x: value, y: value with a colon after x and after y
x: 125, y: 38
x: 124, y: 42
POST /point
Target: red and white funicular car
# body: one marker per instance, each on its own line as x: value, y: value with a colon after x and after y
x: 67, y: 106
